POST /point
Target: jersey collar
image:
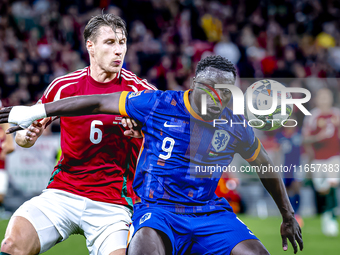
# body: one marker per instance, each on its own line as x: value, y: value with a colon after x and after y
x: 189, y: 108
x: 115, y: 80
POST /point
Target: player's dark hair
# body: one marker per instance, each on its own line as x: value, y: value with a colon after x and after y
x: 96, y: 22
x: 217, y: 62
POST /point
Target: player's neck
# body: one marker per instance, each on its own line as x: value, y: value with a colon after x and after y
x: 195, y: 108
x: 100, y: 75
x: 193, y: 105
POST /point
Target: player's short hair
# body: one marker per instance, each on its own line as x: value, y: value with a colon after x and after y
x: 96, y: 22
x: 217, y: 62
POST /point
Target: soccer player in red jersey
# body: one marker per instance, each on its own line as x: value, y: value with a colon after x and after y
x: 6, y: 147
x: 90, y: 190
x: 321, y: 133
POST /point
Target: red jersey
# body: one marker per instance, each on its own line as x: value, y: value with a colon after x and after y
x: 97, y: 160
x: 328, y: 123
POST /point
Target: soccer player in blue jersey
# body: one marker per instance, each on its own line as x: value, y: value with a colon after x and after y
x: 179, y: 212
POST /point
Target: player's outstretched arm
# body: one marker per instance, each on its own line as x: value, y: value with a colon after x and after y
x: 273, y: 183
x: 23, y: 116
x: 84, y: 105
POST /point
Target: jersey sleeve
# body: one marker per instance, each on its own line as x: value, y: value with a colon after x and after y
x: 42, y: 100
x: 49, y: 94
x: 135, y: 82
x: 249, y: 147
x: 138, y: 105
x: 144, y: 85
x: 48, y: 99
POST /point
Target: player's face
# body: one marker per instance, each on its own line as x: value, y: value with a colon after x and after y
x: 108, y: 49
x: 204, y: 84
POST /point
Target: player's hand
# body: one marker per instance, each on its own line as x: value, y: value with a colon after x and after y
x: 35, y: 130
x: 23, y: 116
x: 27, y: 138
x: 4, y: 113
x: 4, y: 118
x: 134, y: 129
x: 290, y: 229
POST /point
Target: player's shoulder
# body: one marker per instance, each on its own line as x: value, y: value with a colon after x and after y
x: 315, y: 112
x: 228, y: 114
x: 310, y: 121
x: 66, y: 80
x: 159, y: 95
x: 173, y: 93
x: 236, y: 124
x: 136, y: 83
x: 336, y: 111
x: 170, y: 96
x: 162, y: 100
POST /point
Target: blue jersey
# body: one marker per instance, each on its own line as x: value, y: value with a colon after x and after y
x: 178, y: 145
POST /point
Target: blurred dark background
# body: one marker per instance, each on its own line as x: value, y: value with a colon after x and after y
x: 42, y: 39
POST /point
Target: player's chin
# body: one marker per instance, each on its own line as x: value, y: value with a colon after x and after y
x: 214, y: 113
x: 115, y: 69
x: 210, y: 116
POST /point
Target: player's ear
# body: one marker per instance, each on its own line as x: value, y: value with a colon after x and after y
x: 193, y: 83
x: 90, y: 46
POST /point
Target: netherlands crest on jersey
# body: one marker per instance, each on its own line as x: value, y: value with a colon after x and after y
x: 220, y: 140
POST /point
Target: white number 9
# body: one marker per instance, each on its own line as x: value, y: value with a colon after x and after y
x: 167, y: 149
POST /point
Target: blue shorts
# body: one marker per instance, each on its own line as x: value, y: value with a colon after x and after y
x: 209, y: 233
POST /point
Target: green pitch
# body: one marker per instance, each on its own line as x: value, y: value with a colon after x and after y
x: 267, y: 230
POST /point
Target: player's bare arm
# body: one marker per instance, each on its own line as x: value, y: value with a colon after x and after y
x: 84, y: 105
x: 310, y: 139
x: 273, y: 183
x: 73, y: 106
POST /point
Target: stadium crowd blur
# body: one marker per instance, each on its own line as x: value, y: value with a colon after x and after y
x: 42, y: 39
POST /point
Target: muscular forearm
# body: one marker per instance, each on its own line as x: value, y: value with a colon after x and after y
x: 84, y: 105
x: 273, y: 184
x: 24, y: 116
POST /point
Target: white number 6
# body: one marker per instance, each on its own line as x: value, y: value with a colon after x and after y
x: 97, y: 131
x: 168, y: 149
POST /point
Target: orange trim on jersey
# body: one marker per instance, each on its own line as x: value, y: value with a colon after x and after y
x: 188, y: 106
x: 141, y: 148
x: 256, y: 153
x: 122, y: 102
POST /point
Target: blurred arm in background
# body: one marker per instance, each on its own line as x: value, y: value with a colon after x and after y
x: 7, y: 145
